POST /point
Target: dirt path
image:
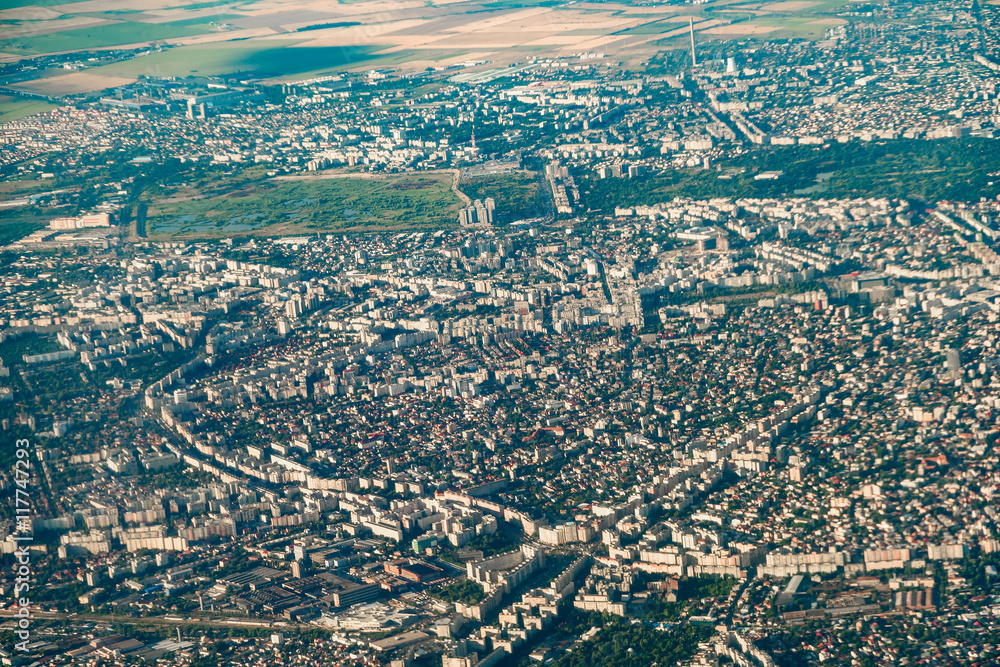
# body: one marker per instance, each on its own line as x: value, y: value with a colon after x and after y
x: 455, y: 173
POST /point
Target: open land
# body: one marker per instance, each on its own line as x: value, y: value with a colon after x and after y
x: 13, y: 108
x: 220, y: 38
x: 311, y: 205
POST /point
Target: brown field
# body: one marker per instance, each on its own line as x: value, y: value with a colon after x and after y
x: 628, y: 9
x: 168, y: 15
x: 789, y: 6
x: 113, y: 5
x: 365, y: 34
x: 75, y: 82
x: 46, y: 26
x: 29, y: 13
x: 537, y: 26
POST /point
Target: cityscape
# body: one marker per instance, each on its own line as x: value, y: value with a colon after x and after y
x: 500, y: 334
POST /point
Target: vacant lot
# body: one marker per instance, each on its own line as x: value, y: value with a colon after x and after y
x: 312, y: 205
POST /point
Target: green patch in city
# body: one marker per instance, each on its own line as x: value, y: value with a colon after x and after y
x: 946, y: 169
x: 344, y: 203
x: 622, y: 643
x: 518, y: 196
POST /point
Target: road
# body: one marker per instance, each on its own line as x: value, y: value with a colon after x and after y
x: 158, y: 620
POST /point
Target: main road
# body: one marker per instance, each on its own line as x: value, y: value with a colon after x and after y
x: 169, y: 620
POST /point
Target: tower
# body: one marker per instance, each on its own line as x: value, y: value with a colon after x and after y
x: 475, y: 151
x: 694, y: 58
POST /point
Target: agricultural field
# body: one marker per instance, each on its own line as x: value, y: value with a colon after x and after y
x: 23, y: 38
x: 270, y: 58
x: 326, y: 203
x: 302, y: 39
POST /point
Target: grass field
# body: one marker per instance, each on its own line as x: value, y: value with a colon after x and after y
x: 13, y: 189
x: 270, y: 58
x: 124, y: 32
x: 312, y: 205
x: 16, y: 108
x: 518, y: 196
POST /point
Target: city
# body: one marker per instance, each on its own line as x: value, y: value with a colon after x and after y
x: 561, y: 360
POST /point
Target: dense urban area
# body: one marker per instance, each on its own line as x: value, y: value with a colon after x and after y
x: 550, y: 362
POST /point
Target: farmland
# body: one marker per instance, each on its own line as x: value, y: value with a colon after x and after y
x: 219, y: 38
x: 103, y: 34
x: 266, y: 59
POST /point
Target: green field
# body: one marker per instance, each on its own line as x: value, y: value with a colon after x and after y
x: 312, y: 205
x: 518, y: 196
x: 271, y: 58
x: 113, y: 34
x: 16, y: 108
x: 13, y: 4
x: 11, y: 189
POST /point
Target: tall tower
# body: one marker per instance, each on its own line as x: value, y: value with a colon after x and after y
x: 694, y: 58
x: 475, y: 151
